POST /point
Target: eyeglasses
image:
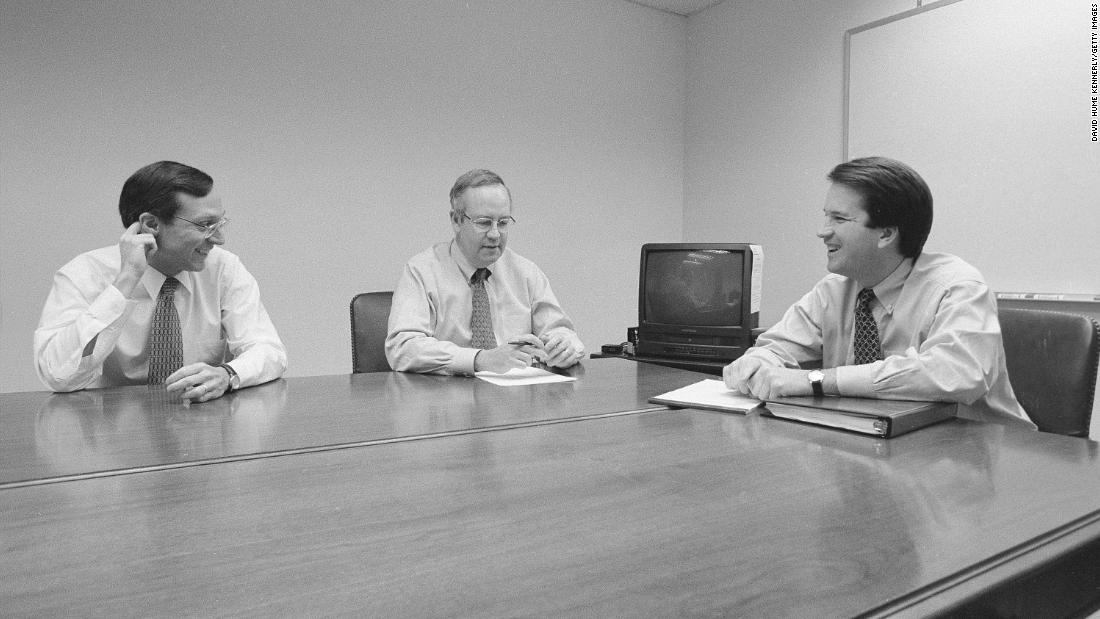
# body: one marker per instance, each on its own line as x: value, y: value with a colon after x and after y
x: 208, y: 230
x: 485, y: 224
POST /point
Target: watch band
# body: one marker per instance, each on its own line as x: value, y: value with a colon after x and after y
x: 817, y: 378
x: 234, y: 379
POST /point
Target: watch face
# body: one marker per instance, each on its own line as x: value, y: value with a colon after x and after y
x: 817, y: 378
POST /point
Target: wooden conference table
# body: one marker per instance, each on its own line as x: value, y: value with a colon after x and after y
x: 402, y: 495
x: 51, y: 437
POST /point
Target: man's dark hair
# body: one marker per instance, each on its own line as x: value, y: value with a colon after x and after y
x: 474, y: 178
x: 153, y: 189
x: 893, y: 195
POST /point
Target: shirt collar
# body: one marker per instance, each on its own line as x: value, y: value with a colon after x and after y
x: 464, y: 266
x: 888, y: 290
x: 153, y: 279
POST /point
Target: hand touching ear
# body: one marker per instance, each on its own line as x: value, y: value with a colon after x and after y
x: 135, y: 246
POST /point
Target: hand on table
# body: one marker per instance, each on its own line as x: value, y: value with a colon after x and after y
x: 763, y: 381
x: 198, y: 382
x: 562, y: 350
x: 519, y: 352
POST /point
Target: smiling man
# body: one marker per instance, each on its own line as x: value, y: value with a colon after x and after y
x: 165, y: 306
x: 472, y: 304
x: 890, y: 321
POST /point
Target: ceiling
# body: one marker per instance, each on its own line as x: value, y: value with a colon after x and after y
x: 679, y: 7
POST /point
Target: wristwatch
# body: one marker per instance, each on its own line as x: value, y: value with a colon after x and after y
x: 817, y: 379
x: 234, y: 380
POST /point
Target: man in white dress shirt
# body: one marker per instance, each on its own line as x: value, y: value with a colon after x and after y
x: 95, y: 326
x: 433, y: 323
x: 891, y: 320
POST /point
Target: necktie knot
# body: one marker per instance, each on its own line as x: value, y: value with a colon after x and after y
x: 864, y: 298
x: 480, y: 275
x: 169, y: 286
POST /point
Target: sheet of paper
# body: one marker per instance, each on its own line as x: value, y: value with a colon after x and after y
x: 711, y: 393
x: 523, y: 376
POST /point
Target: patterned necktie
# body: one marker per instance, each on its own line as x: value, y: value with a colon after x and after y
x: 165, y: 335
x: 867, y: 345
x: 481, y: 320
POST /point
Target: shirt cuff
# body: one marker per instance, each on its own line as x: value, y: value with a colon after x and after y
x: 464, y: 360
x: 857, y: 380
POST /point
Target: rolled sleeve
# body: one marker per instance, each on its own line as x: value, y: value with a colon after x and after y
x: 797, y: 338
x: 547, y: 315
x: 68, y: 324
x: 411, y: 345
x: 258, y: 354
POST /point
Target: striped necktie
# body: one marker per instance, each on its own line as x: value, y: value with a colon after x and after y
x: 867, y: 345
x: 481, y: 319
x: 165, y: 335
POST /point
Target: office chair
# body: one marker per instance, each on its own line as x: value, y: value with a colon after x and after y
x: 1052, y: 360
x: 370, y: 313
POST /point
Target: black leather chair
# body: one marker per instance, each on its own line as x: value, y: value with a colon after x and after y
x: 370, y: 314
x: 1052, y: 359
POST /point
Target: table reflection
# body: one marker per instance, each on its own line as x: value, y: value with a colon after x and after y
x: 877, y: 504
x: 106, y: 429
x: 431, y: 404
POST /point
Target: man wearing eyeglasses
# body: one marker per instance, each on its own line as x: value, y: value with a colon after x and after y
x: 472, y: 304
x: 105, y: 320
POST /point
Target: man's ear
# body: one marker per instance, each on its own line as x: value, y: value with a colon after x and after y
x: 889, y: 235
x: 150, y: 224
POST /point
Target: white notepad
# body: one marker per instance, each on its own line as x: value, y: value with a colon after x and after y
x: 709, y: 394
x: 523, y: 376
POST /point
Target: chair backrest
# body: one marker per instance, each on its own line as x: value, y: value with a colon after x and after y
x: 1052, y: 360
x: 370, y: 315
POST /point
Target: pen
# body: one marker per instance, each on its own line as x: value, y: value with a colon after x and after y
x: 536, y: 363
x: 516, y: 342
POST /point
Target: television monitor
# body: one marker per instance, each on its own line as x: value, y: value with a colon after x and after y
x: 698, y: 300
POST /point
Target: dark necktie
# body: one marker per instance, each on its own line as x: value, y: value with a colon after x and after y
x: 867, y: 345
x: 481, y: 320
x: 165, y: 335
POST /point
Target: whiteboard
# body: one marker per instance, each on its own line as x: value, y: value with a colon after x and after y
x: 991, y: 101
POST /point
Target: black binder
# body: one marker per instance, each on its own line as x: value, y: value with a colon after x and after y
x: 884, y: 418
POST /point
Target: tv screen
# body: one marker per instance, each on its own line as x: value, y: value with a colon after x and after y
x: 694, y: 287
x: 698, y: 300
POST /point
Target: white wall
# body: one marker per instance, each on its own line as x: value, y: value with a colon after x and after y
x: 334, y: 130
x: 1002, y: 134
x: 764, y: 127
